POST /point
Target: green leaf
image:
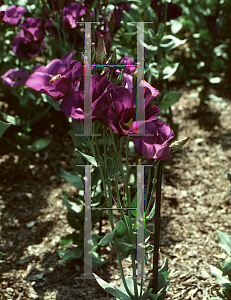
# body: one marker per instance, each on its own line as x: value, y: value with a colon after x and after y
x: 89, y: 158
x: 176, y: 26
x: 72, y: 199
x: 3, y: 127
x: 152, y: 212
x: 170, y: 70
x: 39, y: 116
x: 227, y: 267
x: 218, y: 275
x: 229, y: 176
x: 1, y: 254
x: 61, y: 253
x: 97, y: 261
x: 215, y: 80
x: 121, y: 230
x: 73, y: 254
x: 111, y: 290
x: 219, y: 266
x: 134, y: 204
x: 146, y: 295
x: 73, y: 178
x: 106, y: 239
x: 78, y: 129
x: 130, y: 284
x: 39, y: 144
x: 162, y: 278
x: 9, y: 119
x: 52, y: 102
x: 71, y: 206
x: 224, y: 241
x: 170, y: 42
x: 169, y: 99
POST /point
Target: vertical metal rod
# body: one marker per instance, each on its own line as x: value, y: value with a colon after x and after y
x: 157, y: 230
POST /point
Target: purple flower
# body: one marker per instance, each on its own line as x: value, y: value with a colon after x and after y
x: 156, y: 146
x: 73, y: 104
x: 58, y: 78
x: 33, y: 29
x: 13, y: 14
x: 24, y: 47
x: 121, y: 115
x: 126, y: 60
x: 15, y: 77
x: 72, y: 14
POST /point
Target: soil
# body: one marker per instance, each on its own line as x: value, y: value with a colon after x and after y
x: 195, y: 204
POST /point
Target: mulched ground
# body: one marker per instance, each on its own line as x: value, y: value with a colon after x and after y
x: 195, y: 203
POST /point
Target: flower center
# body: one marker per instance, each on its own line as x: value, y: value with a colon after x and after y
x: 55, y: 78
x: 128, y: 125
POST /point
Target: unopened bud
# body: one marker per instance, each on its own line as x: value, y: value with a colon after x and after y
x: 101, y: 51
x: 114, y: 57
x: 93, y: 53
x: 134, y: 78
x: 111, y: 24
x: 120, y: 78
x: 177, y: 145
x: 82, y: 58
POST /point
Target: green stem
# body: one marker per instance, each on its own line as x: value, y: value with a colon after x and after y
x: 127, y: 189
x: 99, y: 163
x: 122, y: 275
x: 157, y: 230
x: 153, y: 188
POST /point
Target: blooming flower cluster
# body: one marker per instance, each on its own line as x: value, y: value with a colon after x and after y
x: 29, y: 40
x: 114, y: 106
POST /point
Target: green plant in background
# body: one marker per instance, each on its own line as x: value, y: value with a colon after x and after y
x: 223, y: 273
x: 205, y: 58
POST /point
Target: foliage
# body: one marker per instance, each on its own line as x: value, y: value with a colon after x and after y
x: 223, y: 273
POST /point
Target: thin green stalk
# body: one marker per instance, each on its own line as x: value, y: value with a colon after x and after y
x: 157, y: 230
x: 129, y: 205
x: 127, y: 189
x: 116, y: 181
x: 148, y: 185
x: 153, y: 188
x: 98, y: 160
x: 103, y: 172
x: 122, y: 275
x: 122, y: 215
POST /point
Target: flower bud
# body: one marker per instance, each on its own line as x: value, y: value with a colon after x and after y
x: 177, y: 145
x: 93, y: 53
x: 111, y: 24
x: 101, y: 51
x: 114, y: 57
x: 120, y: 78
